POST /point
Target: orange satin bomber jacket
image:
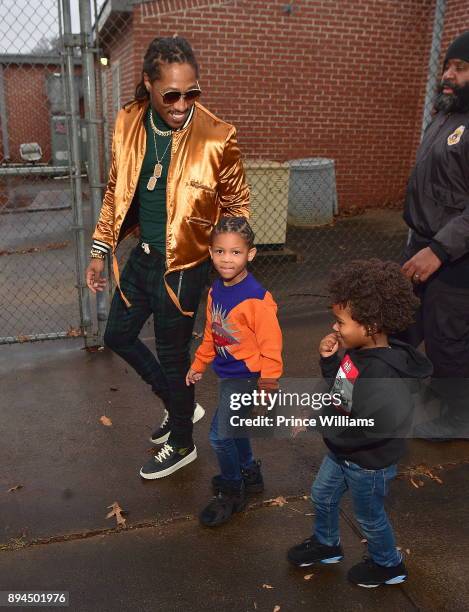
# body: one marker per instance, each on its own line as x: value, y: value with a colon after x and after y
x: 205, y: 180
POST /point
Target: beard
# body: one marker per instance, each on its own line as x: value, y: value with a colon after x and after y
x: 456, y: 102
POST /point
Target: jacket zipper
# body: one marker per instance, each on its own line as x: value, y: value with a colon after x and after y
x: 180, y: 283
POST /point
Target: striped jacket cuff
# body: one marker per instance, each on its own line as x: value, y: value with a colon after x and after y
x: 101, y: 246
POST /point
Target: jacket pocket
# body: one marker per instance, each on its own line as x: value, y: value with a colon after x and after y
x: 201, y: 186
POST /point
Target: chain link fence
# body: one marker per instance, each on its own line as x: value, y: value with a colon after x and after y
x: 50, y: 190
x: 38, y: 293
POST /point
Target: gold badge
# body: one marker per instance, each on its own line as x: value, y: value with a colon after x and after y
x: 455, y: 137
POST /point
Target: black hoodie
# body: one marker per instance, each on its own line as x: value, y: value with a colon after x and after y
x: 376, y: 385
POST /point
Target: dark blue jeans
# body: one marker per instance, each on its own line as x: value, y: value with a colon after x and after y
x: 233, y: 454
x: 143, y: 285
x: 368, y: 489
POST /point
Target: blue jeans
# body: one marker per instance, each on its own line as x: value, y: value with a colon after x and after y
x: 368, y: 489
x: 233, y: 454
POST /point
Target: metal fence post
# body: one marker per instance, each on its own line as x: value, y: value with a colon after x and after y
x: 433, y: 62
x: 91, y: 120
x: 75, y: 175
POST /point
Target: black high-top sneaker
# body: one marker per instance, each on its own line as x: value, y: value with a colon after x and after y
x: 161, y: 434
x: 252, y: 477
x: 222, y: 507
x: 369, y: 574
x: 168, y: 460
x: 311, y: 551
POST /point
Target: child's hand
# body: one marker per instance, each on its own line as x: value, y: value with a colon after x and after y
x: 329, y: 345
x: 192, y: 377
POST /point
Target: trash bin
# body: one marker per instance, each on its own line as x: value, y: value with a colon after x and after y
x: 312, y: 193
x: 268, y: 184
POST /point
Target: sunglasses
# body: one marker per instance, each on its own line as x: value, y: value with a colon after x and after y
x: 171, y: 97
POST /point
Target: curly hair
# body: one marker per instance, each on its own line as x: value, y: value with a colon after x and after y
x: 164, y: 50
x: 377, y: 292
x: 235, y: 225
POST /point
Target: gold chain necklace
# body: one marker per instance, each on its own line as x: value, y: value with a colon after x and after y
x: 155, y: 129
x: 158, y: 169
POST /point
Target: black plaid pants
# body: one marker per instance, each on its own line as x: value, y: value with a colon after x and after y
x: 143, y: 285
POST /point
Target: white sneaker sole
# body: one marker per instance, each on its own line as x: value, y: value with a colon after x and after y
x: 192, y: 456
x: 396, y: 580
x: 328, y: 561
x: 199, y: 413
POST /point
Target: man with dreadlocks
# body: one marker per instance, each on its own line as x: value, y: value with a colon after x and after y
x: 437, y: 256
x: 176, y: 168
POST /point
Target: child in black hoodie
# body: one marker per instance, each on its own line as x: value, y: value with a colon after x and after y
x: 371, y: 299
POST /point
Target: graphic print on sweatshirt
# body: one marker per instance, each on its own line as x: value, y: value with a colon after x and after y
x: 232, y: 326
x: 223, y: 332
x: 345, y: 379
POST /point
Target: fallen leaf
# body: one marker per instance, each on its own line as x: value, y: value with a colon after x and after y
x: 22, y: 339
x: 415, y: 473
x: 116, y: 511
x: 15, y: 488
x: 267, y: 586
x: 278, y: 501
x: 106, y: 421
x: 94, y: 349
x: 308, y: 576
x: 74, y: 332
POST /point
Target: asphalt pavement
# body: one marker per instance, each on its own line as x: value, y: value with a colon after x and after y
x: 62, y: 468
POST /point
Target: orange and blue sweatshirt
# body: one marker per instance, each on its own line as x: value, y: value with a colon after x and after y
x: 242, y: 334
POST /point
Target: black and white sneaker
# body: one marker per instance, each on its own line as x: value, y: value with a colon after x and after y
x: 369, y: 574
x: 311, y: 551
x: 168, y: 460
x: 161, y: 434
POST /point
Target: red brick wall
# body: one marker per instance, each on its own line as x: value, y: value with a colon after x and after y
x: 27, y: 108
x: 337, y: 78
x: 456, y: 20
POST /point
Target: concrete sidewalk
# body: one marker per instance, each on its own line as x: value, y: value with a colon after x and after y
x: 54, y: 533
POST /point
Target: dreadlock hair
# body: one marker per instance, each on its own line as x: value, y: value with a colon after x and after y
x: 234, y: 225
x: 378, y: 294
x: 169, y: 50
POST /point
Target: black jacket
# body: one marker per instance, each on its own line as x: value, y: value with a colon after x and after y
x: 373, y: 384
x: 437, y: 199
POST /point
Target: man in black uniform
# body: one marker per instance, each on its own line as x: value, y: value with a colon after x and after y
x: 437, y: 254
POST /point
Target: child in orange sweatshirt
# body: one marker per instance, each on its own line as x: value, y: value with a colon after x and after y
x: 243, y: 340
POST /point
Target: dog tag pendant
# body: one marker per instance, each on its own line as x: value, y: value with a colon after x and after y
x: 151, y: 183
x: 158, y: 169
